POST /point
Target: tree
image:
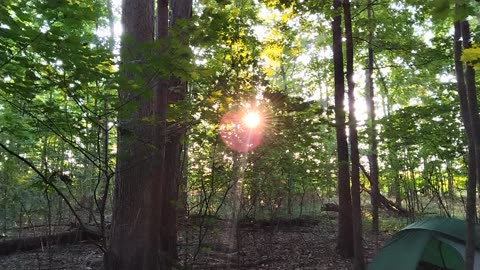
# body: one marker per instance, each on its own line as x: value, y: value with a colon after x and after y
x: 372, y: 128
x: 358, y: 261
x: 469, y: 110
x: 175, y: 131
x: 345, y: 229
x: 135, y: 242
x: 58, y: 109
x: 146, y: 190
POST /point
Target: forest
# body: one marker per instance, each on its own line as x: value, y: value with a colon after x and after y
x: 239, y: 134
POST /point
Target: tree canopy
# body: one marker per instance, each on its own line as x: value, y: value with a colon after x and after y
x: 69, y: 85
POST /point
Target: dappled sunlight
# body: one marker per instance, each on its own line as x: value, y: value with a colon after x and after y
x: 236, y: 134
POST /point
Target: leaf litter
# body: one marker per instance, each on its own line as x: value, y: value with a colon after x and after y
x: 303, y: 243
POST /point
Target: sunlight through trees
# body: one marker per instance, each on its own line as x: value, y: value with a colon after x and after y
x: 239, y: 118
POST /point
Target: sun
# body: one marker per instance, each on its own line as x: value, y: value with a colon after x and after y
x: 242, y: 130
x: 251, y: 119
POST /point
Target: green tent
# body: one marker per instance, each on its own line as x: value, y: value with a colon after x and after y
x: 436, y: 243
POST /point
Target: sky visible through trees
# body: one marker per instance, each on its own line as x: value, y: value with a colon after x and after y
x: 179, y: 121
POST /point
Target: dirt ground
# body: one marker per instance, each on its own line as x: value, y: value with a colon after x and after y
x: 281, y: 244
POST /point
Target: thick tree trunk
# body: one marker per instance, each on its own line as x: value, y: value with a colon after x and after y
x: 135, y: 240
x: 472, y: 173
x: 345, y: 229
x: 358, y: 260
x: 181, y: 10
x: 372, y: 130
x: 144, y: 233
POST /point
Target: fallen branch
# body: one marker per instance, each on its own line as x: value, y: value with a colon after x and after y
x: 390, y: 205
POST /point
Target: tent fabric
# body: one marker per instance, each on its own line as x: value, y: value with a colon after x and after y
x: 451, y: 227
x: 441, y: 253
x: 436, y: 241
x: 461, y: 250
x: 402, y: 252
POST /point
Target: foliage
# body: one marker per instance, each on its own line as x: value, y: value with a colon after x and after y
x: 58, y: 100
x: 471, y: 56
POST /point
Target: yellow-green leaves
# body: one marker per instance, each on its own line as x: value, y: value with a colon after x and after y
x: 472, y: 56
x: 272, y: 54
x: 75, y: 2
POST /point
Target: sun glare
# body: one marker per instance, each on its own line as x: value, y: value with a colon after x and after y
x: 242, y: 130
x: 251, y: 119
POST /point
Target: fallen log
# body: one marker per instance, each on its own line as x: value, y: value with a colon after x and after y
x: 390, y: 205
x: 330, y: 207
x: 30, y: 243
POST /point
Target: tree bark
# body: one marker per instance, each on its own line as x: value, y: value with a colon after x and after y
x: 144, y: 233
x: 135, y: 240
x: 372, y: 129
x: 358, y: 260
x: 176, y: 92
x: 472, y: 171
x: 345, y: 229
x: 473, y: 140
x: 164, y: 227
x: 472, y: 99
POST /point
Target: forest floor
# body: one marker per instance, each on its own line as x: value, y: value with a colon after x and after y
x: 307, y: 243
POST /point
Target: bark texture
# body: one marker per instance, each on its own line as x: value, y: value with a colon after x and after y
x: 175, y: 133
x: 136, y: 229
x: 144, y: 232
x: 345, y: 229
x: 358, y: 260
x: 467, y: 121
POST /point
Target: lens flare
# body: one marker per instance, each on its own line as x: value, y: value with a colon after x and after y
x: 251, y: 119
x: 241, y: 131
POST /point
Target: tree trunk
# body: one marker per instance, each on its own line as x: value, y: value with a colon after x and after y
x: 345, y: 229
x: 473, y: 144
x: 181, y: 9
x: 358, y: 260
x: 144, y: 233
x: 372, y: 130
x: 471, y: 182
x: 472, y: 99
x: 164, y: 225
x: 135, y: 239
